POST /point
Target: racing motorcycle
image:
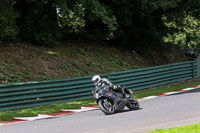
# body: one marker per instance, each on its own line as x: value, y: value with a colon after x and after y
x: 111, y: 102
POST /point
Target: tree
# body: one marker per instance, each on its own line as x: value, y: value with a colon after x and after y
x: 8, y: 28
x: 95, y: 18
x: 184, y: 24
x: 38, y: 21
x: 136, y: 23
x: 47, y: 21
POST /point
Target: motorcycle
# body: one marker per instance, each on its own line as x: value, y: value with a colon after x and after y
x: 111, y: 102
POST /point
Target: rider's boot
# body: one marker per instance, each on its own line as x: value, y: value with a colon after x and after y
x: 124, y: 95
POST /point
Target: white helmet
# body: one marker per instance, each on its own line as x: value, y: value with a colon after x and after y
x: 96, y: 79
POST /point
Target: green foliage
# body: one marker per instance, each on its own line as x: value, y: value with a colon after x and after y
x: 76, y: 64
x: 132, y: 22
x: 140, y: 21
x: 86, y: 17
x: 8, y: 28
x: 10, y: 77
x: 64, y: 65
x: 71, y: 22
x: 38, y: 22
x: 90, y: 63
x: 97, y: 10
x: 185, y: 28
x: 152, y: 5
x: 83, y: 52
x: 2, y: 68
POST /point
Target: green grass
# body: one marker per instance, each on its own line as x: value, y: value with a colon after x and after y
x: 54, y: 108
x: 185, y: 129
x: 8, y: 115
x: 166, y: 88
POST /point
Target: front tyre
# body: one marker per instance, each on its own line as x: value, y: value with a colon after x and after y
x: 133, y: 105
x: 106, y: 106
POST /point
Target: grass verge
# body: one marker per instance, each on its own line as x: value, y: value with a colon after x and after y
x: 8, y: 115
x: 185, y: 129
x: 53, y: 108
x: 166, y: 88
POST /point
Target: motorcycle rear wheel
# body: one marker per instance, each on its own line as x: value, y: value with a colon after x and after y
x: 105, y: 108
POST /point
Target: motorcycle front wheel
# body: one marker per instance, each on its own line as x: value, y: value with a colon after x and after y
x: 106, y: 106
x: 133, y: 105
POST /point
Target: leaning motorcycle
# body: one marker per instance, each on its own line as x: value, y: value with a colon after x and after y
x: 111, y: 102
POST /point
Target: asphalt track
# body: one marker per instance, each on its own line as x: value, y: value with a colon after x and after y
x: 162, y: 112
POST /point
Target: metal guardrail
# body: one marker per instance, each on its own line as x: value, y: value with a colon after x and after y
x: 198, y: 66
x: 31, y: 94
x: 155, y: 76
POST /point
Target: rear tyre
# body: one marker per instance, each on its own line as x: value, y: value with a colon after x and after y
x: 106, y: 106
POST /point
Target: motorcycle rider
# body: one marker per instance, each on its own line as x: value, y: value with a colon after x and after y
x: 98, y: 82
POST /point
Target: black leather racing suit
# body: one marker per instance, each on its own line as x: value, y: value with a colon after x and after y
x: 107, y: 83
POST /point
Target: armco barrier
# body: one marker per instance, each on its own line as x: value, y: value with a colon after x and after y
x: 24, y: 95
x: 155, y: 76
x: 31, y: 94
